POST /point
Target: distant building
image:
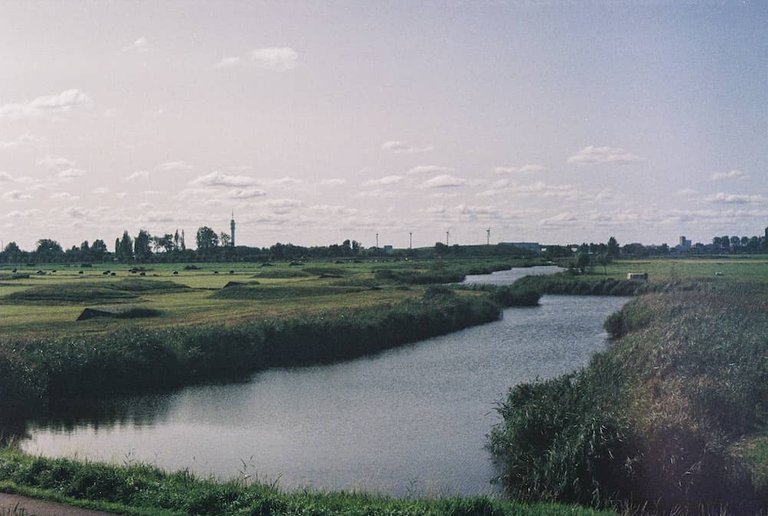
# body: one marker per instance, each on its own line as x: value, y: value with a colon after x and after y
x: 684, y: 243
x: 388, y: 249
x: 232, y: 230
x: 528, y: 246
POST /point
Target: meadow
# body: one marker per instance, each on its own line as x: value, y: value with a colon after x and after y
x: 670, y: 418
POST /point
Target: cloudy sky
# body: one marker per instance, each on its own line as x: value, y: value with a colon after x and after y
x: 556, y: 122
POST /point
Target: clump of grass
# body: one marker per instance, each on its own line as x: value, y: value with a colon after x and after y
x: 141, y: 488
x: 659, y: 418
x: 564, y: 284
x: 118, y: 291
x: 509, y: 295
x: 264, y: 293
x: 70, y: 293
x: 282, y: 274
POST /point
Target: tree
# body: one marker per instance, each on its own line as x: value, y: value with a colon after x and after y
x: 604, y: 259
x: 12, y: 252
x: 125, y: 248
x: 141, y: 250
x: 582, y: 262
x: 224, y: 239
x: 206, y: 239
x: 613, y: 248
x: 98, y: 250
x: 48, y: 250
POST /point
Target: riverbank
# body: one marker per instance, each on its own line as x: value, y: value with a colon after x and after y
x: 35, y: 371
x: 671, y: 415
x: 146, y: 490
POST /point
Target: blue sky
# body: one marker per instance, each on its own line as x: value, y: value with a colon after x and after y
x: 558, y: 122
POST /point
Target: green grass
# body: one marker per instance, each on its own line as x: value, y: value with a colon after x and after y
x: 143, y: 489
x: 672, y: 414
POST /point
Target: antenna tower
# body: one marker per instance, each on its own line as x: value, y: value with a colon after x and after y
x: 488, y: 236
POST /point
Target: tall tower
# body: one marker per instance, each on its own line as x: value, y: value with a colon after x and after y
x: 232, y: 230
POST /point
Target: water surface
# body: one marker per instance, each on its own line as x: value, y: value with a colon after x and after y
x: 409, y: 421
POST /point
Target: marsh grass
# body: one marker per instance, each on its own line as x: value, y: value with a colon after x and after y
x: 144, y: 489
x: 664, y: 417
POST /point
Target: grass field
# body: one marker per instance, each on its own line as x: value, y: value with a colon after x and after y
x: 50, y: 302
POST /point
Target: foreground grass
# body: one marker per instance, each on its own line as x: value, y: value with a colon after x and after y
x: 672, y: 415
x: 143, y: 489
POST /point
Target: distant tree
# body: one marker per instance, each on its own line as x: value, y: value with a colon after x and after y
x: 12, y: 253
x: 125, y: 248
x: 612, y: 248
x: 206, y: 239
x: 141, y: 250
x: 182, y: 242
x: 224, y: 239
x: 725, y: 242
x: 735, y: 242
x: 176, y: 241
x: 717, y: 242
x: 604, y: 259
x: 117, y: 247
x: 48, y: 250
x: 166, y: 243
x: 583, y: 261
x: 98, y: 250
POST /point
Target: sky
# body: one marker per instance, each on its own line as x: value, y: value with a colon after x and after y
x: 319, y: 121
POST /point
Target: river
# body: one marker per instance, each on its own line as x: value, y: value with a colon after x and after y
x: 411, y: 421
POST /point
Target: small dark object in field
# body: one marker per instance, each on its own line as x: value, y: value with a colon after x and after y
x: 113, y: 274
x: 191, y: 267
x: 105, y: 273
x: 175, y: 273
x: 54, y: 270
x: 142, y: 274
x: 14, y: 270
x: 79, y: 272
x: 215, y: 272
x: 231, y: 272
x: 40, y: 273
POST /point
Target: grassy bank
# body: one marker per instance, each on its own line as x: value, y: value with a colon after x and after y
x: 142, y: 489
x: 35, y: 370
x: 672, y: 415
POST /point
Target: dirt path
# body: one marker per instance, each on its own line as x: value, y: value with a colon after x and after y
x: 13, y: 505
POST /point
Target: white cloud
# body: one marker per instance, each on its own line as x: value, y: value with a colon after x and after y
x: 444, y: 181
x: 16, y: 195
x: 77, y: 212
x: 429, y: 169
x: 229, y: 62
x: 71, y: 173
x: 686, y: 192
x: 333, y: 182
x: 731, y: 174
x: 218, y: 178
x: 100, y: 190
x: 286, y: 181
x: 139, y: 174
x: 22, y: 141
x: 246, y: 193
x: 384, y: 181
x: 64, y: 196
x: 523, y: 169
x: 174, y: 166
x: 599, y: 155
x: 399, y: 147
x: 278, y: 59
x: 47, y: 105
x: 51, y: 162
x: 726, y: 198
x: 141, y: 45
x: 5, y: 176
x: 282, y: 206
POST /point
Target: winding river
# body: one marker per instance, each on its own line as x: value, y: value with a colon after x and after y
x: 411, y: 421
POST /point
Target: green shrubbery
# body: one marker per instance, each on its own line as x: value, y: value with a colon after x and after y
x: 656, y: 419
